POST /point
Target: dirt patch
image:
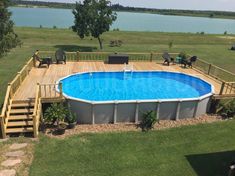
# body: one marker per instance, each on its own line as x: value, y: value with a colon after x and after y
x: 164, y: 124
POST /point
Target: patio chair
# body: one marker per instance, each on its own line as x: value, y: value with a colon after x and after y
x: 167, y: 58
x: 42, y: 61
x: 189, y: 62
x: 60, y: 56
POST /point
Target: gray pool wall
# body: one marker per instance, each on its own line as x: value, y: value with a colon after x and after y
x: 131, y: 111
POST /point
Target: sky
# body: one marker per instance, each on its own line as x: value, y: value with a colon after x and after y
x: 222, y: 5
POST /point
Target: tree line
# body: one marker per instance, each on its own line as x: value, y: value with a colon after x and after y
x: 118, y: 7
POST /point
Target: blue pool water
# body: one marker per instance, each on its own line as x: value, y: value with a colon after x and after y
x: 109, y: 86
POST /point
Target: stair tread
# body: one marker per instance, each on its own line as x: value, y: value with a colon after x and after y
x: 20, y: 117
x: 22, y: 101
x: 23, y: 110
x: 18, y: 105
x: 19, y: 123
x: 19, y: 130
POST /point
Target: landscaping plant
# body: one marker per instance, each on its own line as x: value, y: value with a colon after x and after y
x: 149, y: 119
x: 71, y: 119
x: 56, y: 113
x: 228, y: 110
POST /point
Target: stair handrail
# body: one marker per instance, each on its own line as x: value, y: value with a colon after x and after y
x: 37, y: 111
x: 4, y: 115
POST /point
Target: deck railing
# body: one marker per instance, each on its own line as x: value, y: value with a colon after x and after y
x: 227, y: 88
x: 225, y: 77
x: 5, y: 111
x: 37, y: 111
x: 103, y: 56
x: 11, y: 90
x: 49, y: 91
x: 214, y: 71
x: 21, y: 75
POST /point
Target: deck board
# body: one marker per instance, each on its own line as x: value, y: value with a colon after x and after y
x: 55, y: 72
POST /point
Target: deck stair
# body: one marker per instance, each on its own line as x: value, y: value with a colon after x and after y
x: 20, y: 117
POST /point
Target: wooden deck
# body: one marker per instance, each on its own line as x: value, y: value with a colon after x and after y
x: 54, y: 72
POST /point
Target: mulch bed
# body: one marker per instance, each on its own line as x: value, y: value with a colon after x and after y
x: 121, y: 127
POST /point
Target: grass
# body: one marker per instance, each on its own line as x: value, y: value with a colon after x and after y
x: 213, y: 48
x: 193, y: 150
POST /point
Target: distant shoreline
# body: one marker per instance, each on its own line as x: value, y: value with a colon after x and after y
x: 119, y: 8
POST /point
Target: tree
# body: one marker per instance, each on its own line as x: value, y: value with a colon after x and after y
x: 93, y: 17
x: 8, y: 38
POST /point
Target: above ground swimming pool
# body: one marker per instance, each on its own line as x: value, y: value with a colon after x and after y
x: 106, y: 97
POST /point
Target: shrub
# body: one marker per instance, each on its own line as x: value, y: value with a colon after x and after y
x: 149, y: 119
x: 40, y: 26
x: 202, y: 33
x: 55, y: 113
x: 225, y: 32
x: 228, y: 110
x: 54, y: 27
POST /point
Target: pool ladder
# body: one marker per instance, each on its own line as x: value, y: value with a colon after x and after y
x: 127, y: 70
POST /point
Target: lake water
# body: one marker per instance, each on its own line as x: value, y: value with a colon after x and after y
x: 126, y: 21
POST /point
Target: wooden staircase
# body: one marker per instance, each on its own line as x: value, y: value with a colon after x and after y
x: 20, y: 117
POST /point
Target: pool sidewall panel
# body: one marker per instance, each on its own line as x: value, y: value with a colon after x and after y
x: 167, y: 110
x: 82, y: 110
x: 203, y: 106
x: 126, y: 112
x: 187, y: 109
x: 103, y: 113
x: 145, y: 107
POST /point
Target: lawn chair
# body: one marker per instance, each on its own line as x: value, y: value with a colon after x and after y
x: 42, y: 61
x: 60, y: 56
x: 189, y: 62
x: 167, y: 58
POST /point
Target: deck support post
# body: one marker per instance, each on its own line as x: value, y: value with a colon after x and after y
x: 115, y: 113
x: 195, y: 110
x: 137, y: 112
x: 178, y: 110
x: 158, y: 110
x: 93, y: 114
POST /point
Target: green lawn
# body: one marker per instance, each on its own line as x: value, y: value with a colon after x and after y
x: 194, y: 150
x: 213, y: 48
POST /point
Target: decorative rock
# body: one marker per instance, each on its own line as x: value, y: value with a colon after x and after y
x: 11, y: 162
x: 15, y: 154
x: 8, y: 172
x: 18, y: 146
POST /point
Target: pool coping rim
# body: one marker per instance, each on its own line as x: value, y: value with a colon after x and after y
x: 138, y: 101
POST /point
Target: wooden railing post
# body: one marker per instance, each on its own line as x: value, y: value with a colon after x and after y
x: 222, y: 88
x: 78, y: 56
x: 3, y: 127
x: 209, y: 69
x: 20, y: 77
x: 34, y: 62
x: 61, y: 90
x: 151, y: 56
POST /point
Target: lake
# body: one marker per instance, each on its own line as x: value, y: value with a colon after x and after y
x: 126, y: 21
